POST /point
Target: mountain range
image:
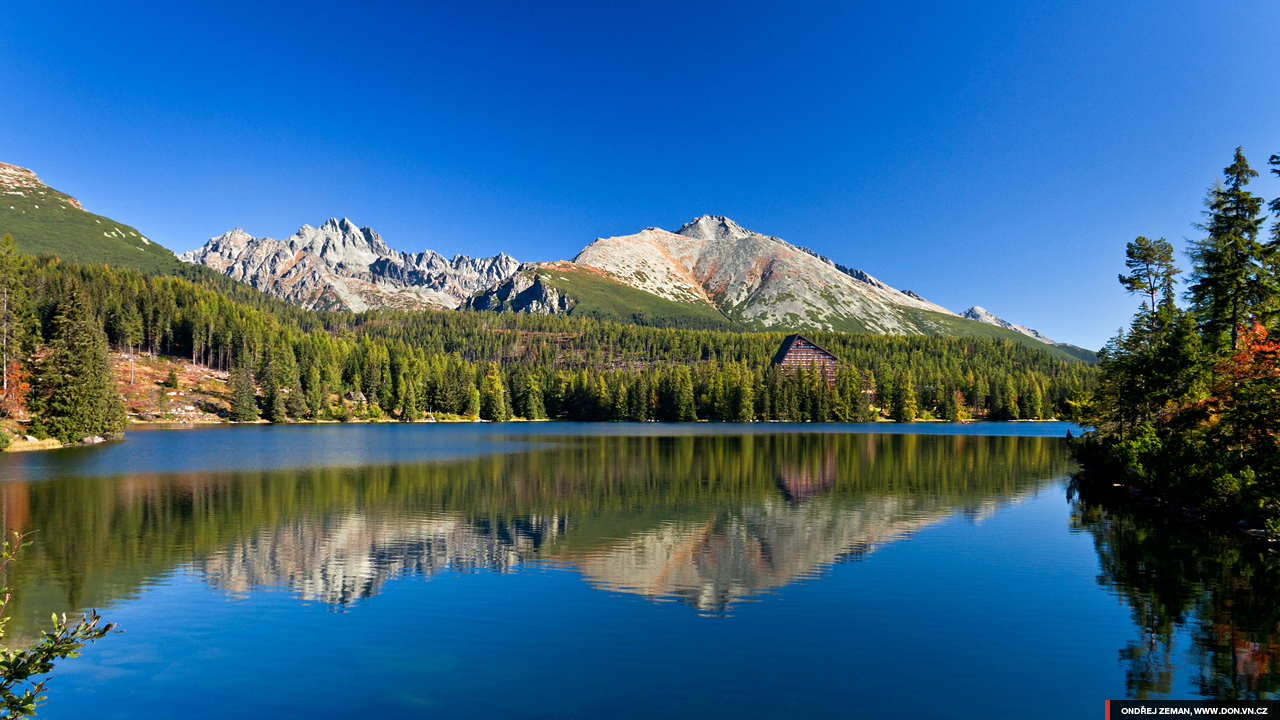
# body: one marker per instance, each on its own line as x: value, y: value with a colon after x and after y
x: 710, y: 273
x: 340, y: 266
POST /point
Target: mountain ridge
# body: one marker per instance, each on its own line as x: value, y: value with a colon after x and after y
x: 45, y: 221
x: 757, y: 280
x: 711, y: 273
x: 341, y: 266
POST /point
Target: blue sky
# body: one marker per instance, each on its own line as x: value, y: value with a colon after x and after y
x: 998, y: 154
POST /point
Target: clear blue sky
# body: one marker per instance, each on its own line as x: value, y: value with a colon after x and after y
x: 999, y: 154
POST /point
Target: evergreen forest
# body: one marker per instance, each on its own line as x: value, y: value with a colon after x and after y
x: 1187, y: 405
x: 287, y: 364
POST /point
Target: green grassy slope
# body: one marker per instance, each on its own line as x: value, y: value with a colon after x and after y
x: 43, y: 222
x: 1079, y: 352
x: 933, y: 323
x: 601, y: 297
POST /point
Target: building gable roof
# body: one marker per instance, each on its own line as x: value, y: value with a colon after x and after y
x: 791, y: 340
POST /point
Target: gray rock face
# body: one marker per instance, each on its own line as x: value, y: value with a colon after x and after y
x: 759, y: 280
x: 340, y: 266
x: 984, y: 315
x: 523, y: 292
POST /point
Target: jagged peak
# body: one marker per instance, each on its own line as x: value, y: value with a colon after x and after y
x: 236, y: 232
x: 981, y: 314
x: 342, y: 225
x: 713, y: 227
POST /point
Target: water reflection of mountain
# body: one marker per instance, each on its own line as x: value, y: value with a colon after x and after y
x: 736, y: 554
x: 350, y: 557
x: 705, y: 518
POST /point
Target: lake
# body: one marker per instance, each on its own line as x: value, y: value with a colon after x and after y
x: 616, y: 570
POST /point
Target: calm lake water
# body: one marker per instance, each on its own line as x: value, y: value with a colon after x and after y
x: 563, y: 570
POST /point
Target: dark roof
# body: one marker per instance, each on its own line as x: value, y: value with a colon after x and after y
x: 790, y: 340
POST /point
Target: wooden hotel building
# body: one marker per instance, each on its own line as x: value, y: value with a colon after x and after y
x: 798, y: 352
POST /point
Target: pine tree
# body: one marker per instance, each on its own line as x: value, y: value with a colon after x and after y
x: 73, y: 393
x: 1152, y: 269
x: 244, y: 404
x: 1230, y: 280
x: 1152, y: 272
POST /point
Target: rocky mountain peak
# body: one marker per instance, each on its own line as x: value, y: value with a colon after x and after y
x: 984, y: 315
x: 713, y: 227
x: 16, y: 180
x: 340, y: 264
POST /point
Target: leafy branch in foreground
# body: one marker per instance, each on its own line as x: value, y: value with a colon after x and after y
x: 21, y: 692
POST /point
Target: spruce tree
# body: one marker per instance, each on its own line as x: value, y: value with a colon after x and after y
x: 244, y: 404
x: 683, y: 396
x: 273, y: 400
x: 533, y: 409
x: 744, y: 403
x: 473, y: 403
x: 951, y: 405
x: 73, y: 393
x: 1230, y: 280
x: 409, y: 404
x: 905, y: 408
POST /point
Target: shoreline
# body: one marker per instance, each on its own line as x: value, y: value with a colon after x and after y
x: 1091, y: 486
x: 19, y: 444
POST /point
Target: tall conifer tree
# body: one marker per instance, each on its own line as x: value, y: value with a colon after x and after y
x: 493, y: 395
x: 244, y: 404
x: 1230, y: 280
x: 73, y: 393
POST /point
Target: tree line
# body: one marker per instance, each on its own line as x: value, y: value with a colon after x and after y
x: 1188, y: 401
x: 288, y: 363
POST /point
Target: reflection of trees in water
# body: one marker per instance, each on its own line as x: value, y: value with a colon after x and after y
x: 1222, y: 592
x: 336, y: 534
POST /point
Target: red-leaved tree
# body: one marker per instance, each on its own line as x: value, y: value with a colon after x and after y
x: 13, y: 393
x: 1246, y: 396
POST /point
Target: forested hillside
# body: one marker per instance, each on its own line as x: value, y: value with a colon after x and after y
x: 289, y: 363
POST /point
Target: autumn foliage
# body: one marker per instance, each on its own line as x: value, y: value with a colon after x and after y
x: 1246, y: 396
x: 13, y: 394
